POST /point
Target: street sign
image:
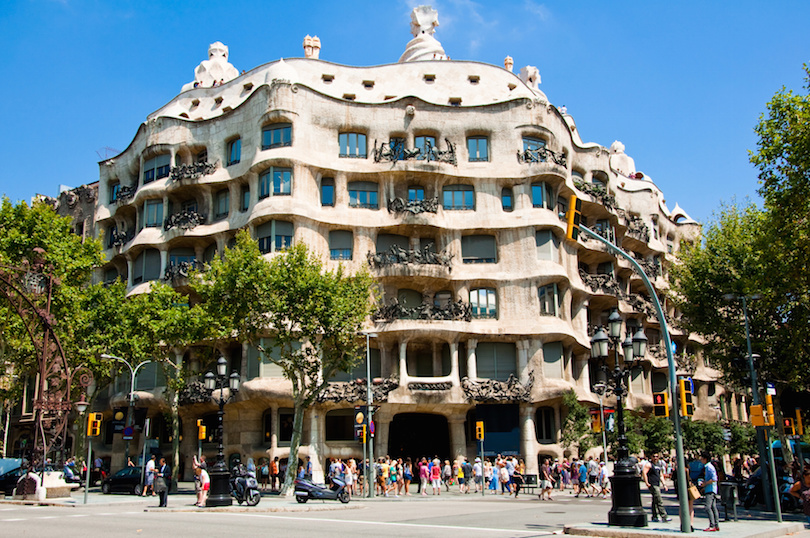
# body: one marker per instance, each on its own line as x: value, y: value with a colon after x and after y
x: 129, y: 433
x: 770, y: 388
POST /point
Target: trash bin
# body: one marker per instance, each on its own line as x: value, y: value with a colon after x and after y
x: 728, y: 498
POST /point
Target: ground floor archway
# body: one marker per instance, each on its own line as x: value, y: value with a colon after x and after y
x: 414, y: 435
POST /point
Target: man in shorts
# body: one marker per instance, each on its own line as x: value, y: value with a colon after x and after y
x: 593, y: 476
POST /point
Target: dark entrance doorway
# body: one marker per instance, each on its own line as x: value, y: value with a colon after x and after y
x: 419, y: 434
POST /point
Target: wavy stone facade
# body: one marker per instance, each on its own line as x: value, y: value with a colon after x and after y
x: 446, y: 178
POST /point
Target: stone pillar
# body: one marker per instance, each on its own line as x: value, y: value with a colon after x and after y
x: 528, y: 438
x: 437, y: 360
x: 458, y: 441
x: 455, y: 379
x: 274, y: 427
x: 166, y: 205
x: 472, y: 366
x: 130, y: 265
x: 523, y: 360
x: 382, y: 423
x: 403, y: 364
x: 164, y: 260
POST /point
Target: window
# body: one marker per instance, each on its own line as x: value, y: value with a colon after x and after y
x: 274, y: 235
x: 544, y: 425
x: 363, y: 194
x: 442, y: 299
x: 146, y: 266
x: 479, y: 249
x: 234, y: 151
x: 327, y: 191
x: 604, y: 268
x: 425, y: 145
x: 359, y: 370
x: 397, y: 147
x: 670, y: 244
x: 599, y: 179
x: 543, y: 195
x: 386, y: 241
x: 153, y: 213
x: 279, y: 179
x: 156, y: 168
x: 244, y: 198
x: 277, y: 135
x: 577, y: 176
x: 532, y: 144
x: 484, y: 303
x: 340, y: 244
x: 222, y: 202
x: 286, y: 419
x: 416, y: 194
x: 507, y: 199
x: 340, y: 425
x: 458, y: 197
x: 182, y: 255
x: 547, y: 245
x: 550, y: 300
x: 553, y: 360
x: 114, y: 189
x: 496, y: 360
x: 409, y: 299
x: 352, y: 145
x: 478, y: 148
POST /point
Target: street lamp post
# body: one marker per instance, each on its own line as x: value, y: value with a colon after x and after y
x: 600, y: 389
x: 625, y: 493
x: 220, y: 494
x: 369, y: 471
x: 133, y: 373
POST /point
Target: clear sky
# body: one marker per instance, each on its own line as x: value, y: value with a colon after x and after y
x: 681, y: 84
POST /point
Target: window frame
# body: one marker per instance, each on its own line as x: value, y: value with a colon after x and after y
x: 425, y: 153
x: 275, y: 242
x: 462, y: 189
x: 345, y: 140
x: 478, y: 139
x: 153, y: 172
x: 371, y: 198
x: 267, y: 180
x: 474, y: 259
x: 271, y: 129
x: 157, y: 214
x: 234, y: 151
x: 222, y: 196
x: 490, y: 309
x: 340, y: 254
x: 546, y: 192
x: 511, y: 196
x: 328, y: 183
x: 556, y: 298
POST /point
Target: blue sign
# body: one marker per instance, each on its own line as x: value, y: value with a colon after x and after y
x: 128, y: 433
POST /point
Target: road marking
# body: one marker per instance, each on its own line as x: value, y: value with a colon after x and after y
x: 79, y: 515
x: 46, y: 517
x: 14, y: 519
x: 390, y: 524
x: 8, y: 509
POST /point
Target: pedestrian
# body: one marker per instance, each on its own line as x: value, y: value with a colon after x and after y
x: 196, y: 465
x: 308, y: 468
x: 546, y: 485
x: 251, y: 467
x: 478, y: 475
x: 407, y: 476
x: 274, y: 469
x: 710, y: 493
x: 163, y: 477
x: 652, y: 475
x: 424, y: 476
x: 264, y: 472
x: 447, y: 474
x: 583, y: 480
x: 205, y: 486
x: 593, y: 476
x: 149, y: 477
x: 604, y: 482
x: 801, y: 490
x: 503, y: 478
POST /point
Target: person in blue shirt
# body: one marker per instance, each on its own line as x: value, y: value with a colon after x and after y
x: 583, y: 480
x: 710, y: 491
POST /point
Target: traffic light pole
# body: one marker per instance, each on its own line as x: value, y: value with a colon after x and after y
x: 87, y: 464
x: 685, y: 516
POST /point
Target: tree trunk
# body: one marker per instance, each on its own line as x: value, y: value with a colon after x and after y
x: 175, y: 405
x: 292, y: 461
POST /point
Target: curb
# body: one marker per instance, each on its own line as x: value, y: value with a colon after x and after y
x: 604, y: 531
x: 253, y: 509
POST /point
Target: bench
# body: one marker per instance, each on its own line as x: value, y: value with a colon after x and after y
x: 529, y: 483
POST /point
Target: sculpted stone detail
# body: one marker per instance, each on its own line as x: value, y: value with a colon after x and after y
x: 458, y: 311
x: 641, y: 304
x: 180, y: 270
x: 119, y: 239
x: 398, y: 255
x: 125, y: 194
x: 356, y: 391
x: 638, y: 230
x: 491, y: 390
x: 423, y: 46
x: 192, y: 171
x: 430, y: 385
x: 530, y: 76
x: 400, y: 205
x: 215, y: 70
x: 312, y: 47
x: 394, y: 151
x: 686, y: 363
x: 185, y: 220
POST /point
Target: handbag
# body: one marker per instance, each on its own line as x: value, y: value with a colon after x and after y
x: 694, y: 492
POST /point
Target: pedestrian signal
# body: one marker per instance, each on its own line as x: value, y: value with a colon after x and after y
x: 573, y: 217
x: 479, y: 430
x: 769, y: 407
x: 685, y: 391
x: 799, y: 425
x: 787, y: 424
x: 201, y: 430
x: 756, y: 414
x: 94, y: 424
x: 661, y: 404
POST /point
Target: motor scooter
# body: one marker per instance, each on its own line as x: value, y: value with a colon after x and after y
x: 244, y: 487
x: 307, y: 489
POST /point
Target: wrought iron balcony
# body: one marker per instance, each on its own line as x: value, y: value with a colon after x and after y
x: 398, y: 255
x: 430, y: 385
x: 638, y: 230
x: 125, y: 194
x: 185, y: 220
x: 601, y: 282
x: 599, y: 192
x: 540, y: 155
x: 356, y: 391
x: 651, y: 268
x: 394, y: 151
x: 400, y: 205
x: 181, y: 269
x: 458, y: 311
x: 121, y: 238
x: 192, y: 171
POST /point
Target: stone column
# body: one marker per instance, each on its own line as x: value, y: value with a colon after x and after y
x: 472, y: 366
x: 130, y: 265
x: 274, y: 428
x: 523, y: 360
x: 455, y: 379
x: 437, y: 360
x: 403, y: 364
x: 382, y: 423
x: 528, y: 438
x: 164, y: 260
x: 458, y: 441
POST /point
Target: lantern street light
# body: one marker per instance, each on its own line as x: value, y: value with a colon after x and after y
x: 626, y: 494
x: 220, y: 489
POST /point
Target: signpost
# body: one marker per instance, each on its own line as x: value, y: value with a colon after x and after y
x: 479, y: 434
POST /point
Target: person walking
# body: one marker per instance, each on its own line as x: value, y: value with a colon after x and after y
x: 264, y: 472
x: 163, y: 477
x: 801, y: 490
x: 149, y: 477
x: 274, y: 470
x: 710, y: 492
x: 436, y: 477
x: 545, y: 480
x: 424, y: 476
x: 652, y: 475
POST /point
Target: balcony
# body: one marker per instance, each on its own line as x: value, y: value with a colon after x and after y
x: 119, y: 239
x: 605, y: 283
x: 415, y: 207
x: 455, y: 311
x: 398, y: 255
x: 192, y: 171
x: 541, y: 155
x: 182, y: 269
x: 492, y: 390
x: 394, y: 151
x: 125, y: 194
x: 599, y: 193
x: 638, y: 230
x: 185, y: 220
x: 356, y: 391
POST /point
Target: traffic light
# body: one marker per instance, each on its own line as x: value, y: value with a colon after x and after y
x: 479, y: 430
x: 756, y: 415
x: 201, y: 430
x: 799, y: 425
x: 572, y: 217
x: 94, y: 424
x: 596, y: 422
x: 787, y: 424
x: 661, y: 404
x: 769, y: 420
x: 685, y: 391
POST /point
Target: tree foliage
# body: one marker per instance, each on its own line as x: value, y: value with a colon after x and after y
x: 576, y: 427
x: 657, y: 434
x: 743, y: 438
x: 700, y: 435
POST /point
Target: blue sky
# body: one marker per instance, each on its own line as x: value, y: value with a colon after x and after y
x: 681, y: 84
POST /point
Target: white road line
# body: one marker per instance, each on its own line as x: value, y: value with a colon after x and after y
x: 8, y: 509
x: 46, y: 517
x: 390, y: 524
x: 14, y: 519
x: 79, y: 515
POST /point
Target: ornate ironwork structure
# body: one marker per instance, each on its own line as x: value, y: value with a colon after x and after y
x: 397, y: 255
x: 458, y: 311
x: 598, y: 192
x: 399, y: 205
x: 185, y: 220
x: 605, y: 283
x: 540, y: 155
x: 430, y: 385
x: 638, y: 230
x: 181, y: 269
x: 394, y: 151
x: 492, y: 390
x: 650, y: 266
x: 192, y: 171
x: 119, y: 239
x: 125, y: 194
x: 356, y: 391
x: 29, y: 291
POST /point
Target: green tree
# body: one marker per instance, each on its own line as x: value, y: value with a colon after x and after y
x: 699, y: 435
x: 576, y: 427
x: 743, y: 438
x: 657, y: 435
x: 314, y: 316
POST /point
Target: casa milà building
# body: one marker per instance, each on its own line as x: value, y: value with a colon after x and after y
x: 446, y: 179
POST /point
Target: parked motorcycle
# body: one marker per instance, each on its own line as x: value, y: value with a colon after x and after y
x: 307, y: 489
x: 244, y: 487
x: 753, y: 490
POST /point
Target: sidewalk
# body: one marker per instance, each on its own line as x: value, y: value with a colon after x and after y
x: 739, y: 529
